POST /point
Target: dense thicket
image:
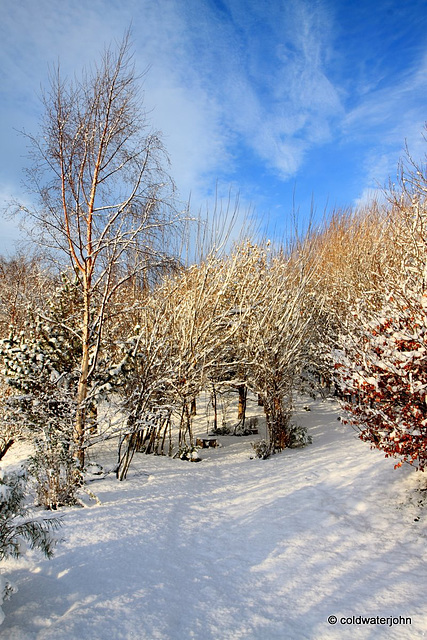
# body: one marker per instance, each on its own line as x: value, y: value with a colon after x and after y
x: 125, y: 340
x: 375, y: 266
x: 341, y: 309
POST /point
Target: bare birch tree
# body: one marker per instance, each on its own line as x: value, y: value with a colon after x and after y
x: 105, y: 199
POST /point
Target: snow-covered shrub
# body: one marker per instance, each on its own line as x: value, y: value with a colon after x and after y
x: 221, y: 431
x: 188, y: 452
x: 10, y: 432
x: 262, y: 449
x: 40, y: 366
x: 382, y: 360
x: 383, y: 377
x: 298, y: 436
x: 18, y: 527
x: 16, y: 524
x: 39, y: 371
x: 55, y: 472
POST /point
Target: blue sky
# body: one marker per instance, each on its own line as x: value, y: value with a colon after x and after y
x: 285, y: 101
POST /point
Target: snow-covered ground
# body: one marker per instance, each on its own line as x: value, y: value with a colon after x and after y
x: 232, y: 548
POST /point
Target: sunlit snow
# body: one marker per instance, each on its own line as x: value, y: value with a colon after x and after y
x: 232, y: 548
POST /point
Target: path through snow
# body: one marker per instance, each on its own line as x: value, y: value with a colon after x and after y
x: 233, y: 548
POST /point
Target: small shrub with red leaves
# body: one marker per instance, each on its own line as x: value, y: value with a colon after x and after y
x: 382, y: 373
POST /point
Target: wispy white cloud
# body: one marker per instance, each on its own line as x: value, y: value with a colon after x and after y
x: 251, y: 75
x: 381, y: 106
x: 385, y: 121
x: 276, y: 97
x: 229, y: 83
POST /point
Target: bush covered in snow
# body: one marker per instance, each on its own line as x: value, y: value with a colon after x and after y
x: 54, y: 470
x: 381, y: 362
x: 38, y: 368
x: 383, y: 377
x: 16, y: 524
x: 18, y: 527
x: 262, y: 449
x: 298, y: 436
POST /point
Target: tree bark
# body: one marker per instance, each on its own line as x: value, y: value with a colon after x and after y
x: 215, y: 407
x: 82, y: 389
x: 6, y: 447
x: 241, y: 410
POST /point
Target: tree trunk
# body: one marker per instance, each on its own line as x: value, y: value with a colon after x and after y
x: 185, y: 427
x: 79, y: 430
x: 277, y: 420
x: 92, y: 418
x: 215, y: 408
x: 281, y: 419
x: 241, y: 411
x: 6, y: 447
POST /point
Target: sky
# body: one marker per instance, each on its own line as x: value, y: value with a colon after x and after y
x: 291, y: 104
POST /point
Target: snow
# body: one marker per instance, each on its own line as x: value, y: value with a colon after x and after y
x: 236, y: 549
x: 4, y: 493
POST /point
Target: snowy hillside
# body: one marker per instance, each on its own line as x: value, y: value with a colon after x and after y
x: 236, y: 549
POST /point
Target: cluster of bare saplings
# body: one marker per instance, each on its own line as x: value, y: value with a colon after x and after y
x: 111, y: 329
x: 244, y: 319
